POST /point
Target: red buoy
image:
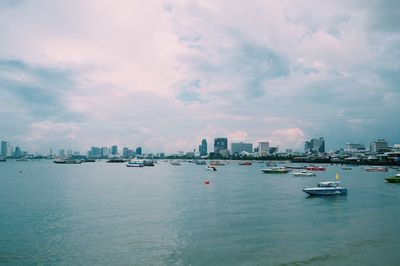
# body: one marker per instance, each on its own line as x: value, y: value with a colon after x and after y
x: 206, y: 182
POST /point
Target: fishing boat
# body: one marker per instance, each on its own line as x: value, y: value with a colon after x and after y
x: 135, y: 163
x: 304, y: 173
x: 276, y: 170
x: 376, y: 169
x: 393, y: 179
x: 327, y: 188
x: 315, y: 168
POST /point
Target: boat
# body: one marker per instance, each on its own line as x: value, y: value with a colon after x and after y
x: 211, y: 168
x: 89, y: 160
x: 148, y: 163
x: 376, y: 169
x: 116, y: 160
x: 393, y: 179
x: 245, y: 163
x: 295, y: 166
x: 202, y: 162
x: 276, y: 170
x: 175, y: 163
x: 2, y: 159
x: 346, y: 168
x: 67, y: 161
x: 135, y: 163
x: 327, y: 188
x: 304, y: 173
x: 217, y: 163
x: 315, y: 168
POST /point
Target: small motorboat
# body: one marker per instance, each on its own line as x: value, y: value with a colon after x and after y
x: 393, y: 179
x: 376, y: 169
x: 245, y: 163
x: 327, y: 188
x: 304, y: 173
x: 315, y: 168
x: 276, y: 170
x: 211, y: 168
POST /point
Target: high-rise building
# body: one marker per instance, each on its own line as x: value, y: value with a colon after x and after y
x: 139, y: 151
x: 203, y: 148
x: 4, y: 148
x: 105, y: 152
x: 263, y: 148
x: 315, y: 145
x: 379, y: 146
x: 114, y: 150
x: 237, y: 148
x: 95, y: 152
x: 220, y: 144
x: 18, y: 152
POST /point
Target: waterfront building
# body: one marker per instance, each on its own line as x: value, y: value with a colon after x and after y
x: 220, y: 144
x: 354, y: 147
x: 114, y: 150
x: 95, y: 152
x: 4, y: 148
x: 263, y: 148
x: 237, y: 148
x: 139, y: 151
x: 315, y: 145
x: 105, y: 152
x: 379, y: 146
x: 17, y: 152
x: 61, y: 153
x: 203, y: 148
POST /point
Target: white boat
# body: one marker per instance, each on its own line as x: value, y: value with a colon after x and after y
x: 327, y: 188
x: 211, y: 168
x: 276, y: 170
x: 304, y: 173
x: 135, y: 163
x: 175, y: 163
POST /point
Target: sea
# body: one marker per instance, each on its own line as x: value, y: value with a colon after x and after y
x: 109, y: 214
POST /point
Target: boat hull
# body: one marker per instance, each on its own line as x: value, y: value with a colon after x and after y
x: 325, y: 191
x: 275, y: 171
x: 393, y: 179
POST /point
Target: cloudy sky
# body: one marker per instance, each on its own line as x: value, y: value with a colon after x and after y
x: 165, y: 74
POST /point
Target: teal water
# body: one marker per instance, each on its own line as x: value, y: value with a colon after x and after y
x: 99, y: 213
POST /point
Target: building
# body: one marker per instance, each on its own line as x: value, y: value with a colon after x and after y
x: 4, y: 148
x: 139, y: 151
x: 17, y: 152
x: 315, y: 145
x: 114, y: 150
x: 379, y: 146
x: 105, y: 152
x: 354, y: 147
x: 95, y: 152
x: 61, y: 153
x: 203, y: 148
x: 220, y: 144
x: 237, y: 148
x: 263, y: 148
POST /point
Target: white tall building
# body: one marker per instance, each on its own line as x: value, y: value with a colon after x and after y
x: 263, y: 148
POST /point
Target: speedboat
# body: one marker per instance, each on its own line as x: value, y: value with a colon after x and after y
x: 276, y: 170
x: 327, y: 188
x: 135, y: 163
x: 304, y: 173
x: 393, y: 179
x: 376, y: 169
x: 315, y: 168
x: 211, y: 168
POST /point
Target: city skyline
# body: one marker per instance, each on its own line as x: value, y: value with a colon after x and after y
x: 163, y: 75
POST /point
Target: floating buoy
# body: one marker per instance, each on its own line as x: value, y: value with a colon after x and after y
x: 207, y: 182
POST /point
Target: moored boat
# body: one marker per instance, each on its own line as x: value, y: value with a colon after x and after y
x: 211, y: 168
x: 275, y: 170
x: 67, y: 161
x: 135, y: 163
x: 245, y: 163
x: 116, y: 160
x: 327, y: 188
x: 393, y: 179
x: 315, y: 168
x: 376, y: 169
x: 304, y: 173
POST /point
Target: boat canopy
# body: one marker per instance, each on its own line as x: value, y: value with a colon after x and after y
x: 329, y: 184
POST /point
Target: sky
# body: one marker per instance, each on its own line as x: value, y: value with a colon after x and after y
x: 166, y: 74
